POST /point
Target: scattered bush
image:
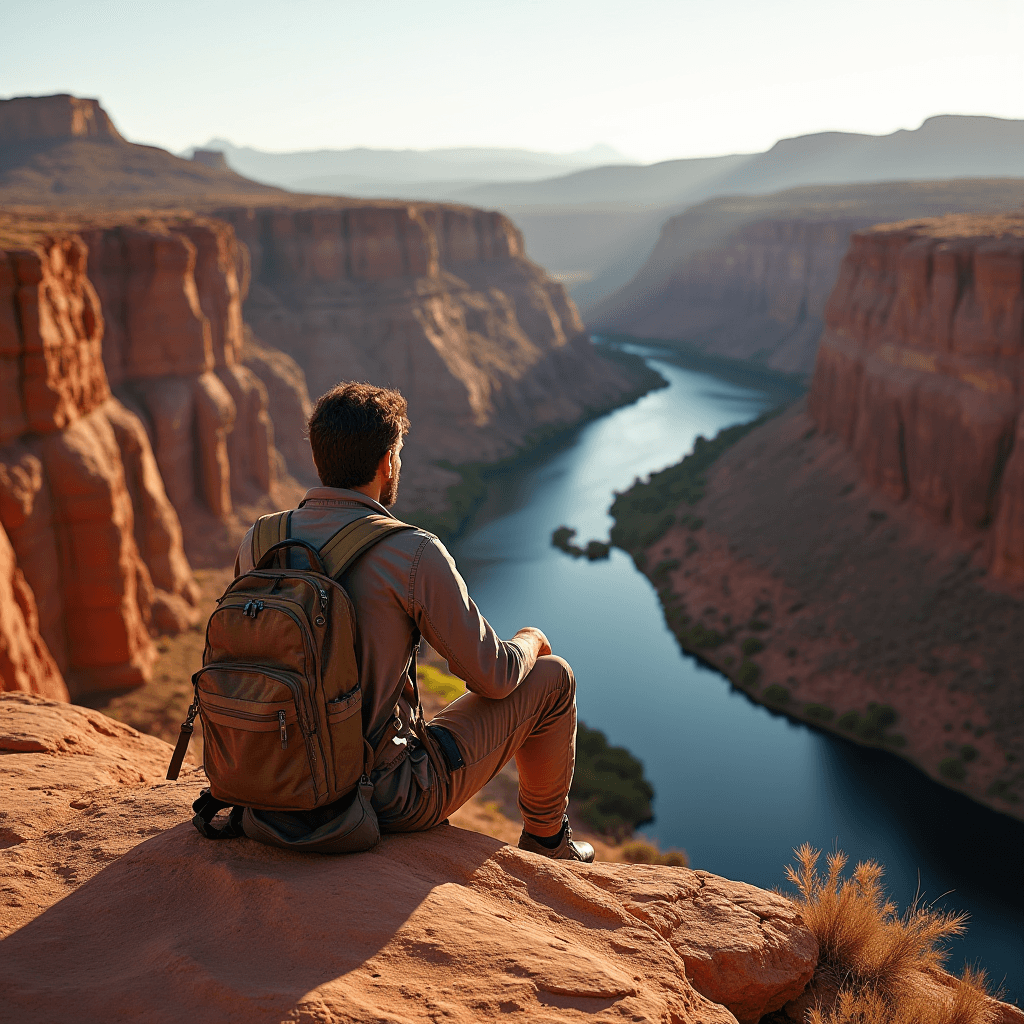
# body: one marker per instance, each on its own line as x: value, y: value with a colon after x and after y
x: 1002, y: 790
x: 870, y: 727
x: 752, y: 645
x: 699, y: 635
x: 968, y: 753
x: 953, y: 768
x: 609, y: 790
x: 759, y: 625
x: 776, y: 694
x: 819, y: 713
x: 870, y: 956
x: 595, y: 549
x: 640, y: 851
x: 748, y: 674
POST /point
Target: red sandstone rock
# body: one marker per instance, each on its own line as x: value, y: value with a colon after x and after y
x: 920, y: 370
x: 111, y: 904
x: 173, y: 290
x: 66, y: 502
x: 25, y: 661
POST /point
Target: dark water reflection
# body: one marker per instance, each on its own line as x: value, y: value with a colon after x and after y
x: 737, y: 786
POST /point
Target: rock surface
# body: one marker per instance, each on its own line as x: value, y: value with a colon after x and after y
x: 748, y: 277
x: 920, y: 373
x: 80, y: 500
x: 112, y: 904
x: 437, y: 301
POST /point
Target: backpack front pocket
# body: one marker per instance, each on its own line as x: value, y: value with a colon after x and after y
x: 345, y: 725
x: 259, y: 751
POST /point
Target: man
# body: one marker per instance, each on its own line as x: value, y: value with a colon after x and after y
x: 521, y: 701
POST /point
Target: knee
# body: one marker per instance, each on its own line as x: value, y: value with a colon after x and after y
x: 558, y: 673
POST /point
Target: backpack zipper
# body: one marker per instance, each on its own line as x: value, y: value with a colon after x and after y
x: 284, y: 730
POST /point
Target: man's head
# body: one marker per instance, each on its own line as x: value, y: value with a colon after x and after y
x: 352, y: 429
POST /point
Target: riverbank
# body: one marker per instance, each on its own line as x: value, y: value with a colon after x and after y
x: 774, y: 566
x: 465, y: 496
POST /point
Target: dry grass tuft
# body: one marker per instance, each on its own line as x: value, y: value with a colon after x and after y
x: 878, y: 961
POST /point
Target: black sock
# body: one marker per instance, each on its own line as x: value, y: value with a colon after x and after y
x: 549, y: 842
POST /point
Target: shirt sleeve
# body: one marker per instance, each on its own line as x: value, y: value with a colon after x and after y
x: 452, y: 624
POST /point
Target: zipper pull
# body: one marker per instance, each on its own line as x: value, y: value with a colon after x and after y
x: 323, y: 599
x: 284, y: 730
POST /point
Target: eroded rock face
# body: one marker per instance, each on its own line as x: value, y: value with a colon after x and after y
x: 172, y: 291
x: 920, y: 373
x: 437, y: 301
x: 112, y: 904
x: 66, y: 502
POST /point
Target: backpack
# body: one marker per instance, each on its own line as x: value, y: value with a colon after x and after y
x: 278, y: 694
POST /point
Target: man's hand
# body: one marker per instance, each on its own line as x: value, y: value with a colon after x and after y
x: 532, y: 635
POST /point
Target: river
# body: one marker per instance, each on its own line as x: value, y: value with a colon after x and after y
x: 737, y: 786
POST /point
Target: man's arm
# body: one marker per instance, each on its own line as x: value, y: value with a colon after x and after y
x: 452, y: 624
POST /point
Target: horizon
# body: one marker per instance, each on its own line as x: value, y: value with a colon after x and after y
x: 525, y: 76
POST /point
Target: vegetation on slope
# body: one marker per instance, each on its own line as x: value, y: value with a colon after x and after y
x: 644, y: 512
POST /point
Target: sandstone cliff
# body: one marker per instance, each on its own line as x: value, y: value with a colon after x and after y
x: 920, y: 374
x: 748, y: 277
x: 438, y: 301
x: 857, y: 562
x: 75, y: 465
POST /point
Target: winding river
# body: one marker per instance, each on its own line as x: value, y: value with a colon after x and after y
x: 737, y: 786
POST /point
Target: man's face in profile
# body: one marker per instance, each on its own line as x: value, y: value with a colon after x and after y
x: 389, y: 492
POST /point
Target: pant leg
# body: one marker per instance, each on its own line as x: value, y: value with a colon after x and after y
x: 536, y: 724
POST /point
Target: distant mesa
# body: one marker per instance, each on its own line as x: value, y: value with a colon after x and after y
x: 213, y: 158
x: 44, y: 118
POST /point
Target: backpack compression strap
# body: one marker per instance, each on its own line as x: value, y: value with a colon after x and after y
x: 355, y: 538
x: 268, y: 531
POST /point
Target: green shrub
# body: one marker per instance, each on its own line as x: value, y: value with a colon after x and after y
x: 699, y: 635
x: 819, y: 713
x: 748, y: 673
x: 776, y: 694
x: 597, y: 549
x: 644, y: 512
x: 758, y: 625
x: 752, y: 645
x: 953, y: 768
x: 870, y: 727
x: 609, y: 790
x: 443, y: 685
x: 968, y: 753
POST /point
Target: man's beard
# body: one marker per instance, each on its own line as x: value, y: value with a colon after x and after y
x: 389, y: 492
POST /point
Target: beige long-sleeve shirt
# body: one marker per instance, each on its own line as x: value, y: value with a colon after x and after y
x: 404, y: 583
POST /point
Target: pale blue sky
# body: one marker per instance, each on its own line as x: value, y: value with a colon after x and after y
x: 655, y: 78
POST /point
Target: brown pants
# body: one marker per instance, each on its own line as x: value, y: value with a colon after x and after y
x: 535, y: 724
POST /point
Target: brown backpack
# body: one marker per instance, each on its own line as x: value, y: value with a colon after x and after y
x: 279, y: 697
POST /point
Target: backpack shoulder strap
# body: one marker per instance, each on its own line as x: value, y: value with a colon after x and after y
x: 352, y: 540
x: 268, y: 531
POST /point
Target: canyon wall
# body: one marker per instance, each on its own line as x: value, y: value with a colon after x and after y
x: 437, y: 301
x: 171, y: 290
x: 921, y: 373
x: 95, y: 560
x: 747, y: 277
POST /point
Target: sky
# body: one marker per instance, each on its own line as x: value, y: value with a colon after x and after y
x: 656, y: 79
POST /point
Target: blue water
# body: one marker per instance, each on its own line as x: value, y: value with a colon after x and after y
x: 737, y: 786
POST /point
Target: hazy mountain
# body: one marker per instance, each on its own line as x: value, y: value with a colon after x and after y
x: 380, y: 172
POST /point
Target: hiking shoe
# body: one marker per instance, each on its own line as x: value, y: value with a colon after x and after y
x: 567, y: 849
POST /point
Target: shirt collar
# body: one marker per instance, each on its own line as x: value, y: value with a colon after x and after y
x: 342, y: 496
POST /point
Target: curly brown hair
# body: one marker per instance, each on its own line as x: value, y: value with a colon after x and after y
x: 352, y: 427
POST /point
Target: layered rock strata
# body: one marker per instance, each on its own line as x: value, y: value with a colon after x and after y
x: 172, y: 291
x: 748, y: 277
x: 80, y: 498
x: 100, y: 867
x: 921, y: 374
x: 438, y: 301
